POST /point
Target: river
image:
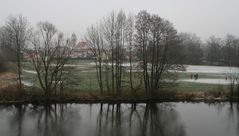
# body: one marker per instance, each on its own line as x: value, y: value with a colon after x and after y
x: 154, y: 119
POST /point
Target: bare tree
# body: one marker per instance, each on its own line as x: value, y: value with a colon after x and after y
x: 109, y: 29
x: 158, y: 42
x: 130, y: 46
x: 17, y: 32
x: 108, y: 41
x: 115, y: 33
x: 142, y: 35
x: 51, y: 52
x: 94, y: 40
x: 118, y: 50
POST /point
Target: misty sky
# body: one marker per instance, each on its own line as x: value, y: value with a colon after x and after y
x: 203, y: 17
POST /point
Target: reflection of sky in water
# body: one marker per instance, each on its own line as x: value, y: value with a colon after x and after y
x: 165, y: 119
x: 209, y: 119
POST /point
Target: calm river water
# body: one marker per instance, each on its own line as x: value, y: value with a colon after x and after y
x: 154, y: 119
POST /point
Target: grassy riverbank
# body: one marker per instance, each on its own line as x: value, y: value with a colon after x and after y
x: 81, y: 76
x: 82, y: 86
x: 11, y: 95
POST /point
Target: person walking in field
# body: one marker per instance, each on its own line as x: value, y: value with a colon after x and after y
x: 191, y: 76
x: 196, y: 76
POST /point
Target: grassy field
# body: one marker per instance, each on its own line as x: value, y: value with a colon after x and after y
x: 199, y: 87
x: 82, y: 77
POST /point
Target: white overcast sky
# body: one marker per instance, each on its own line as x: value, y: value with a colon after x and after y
x: 202, y: 17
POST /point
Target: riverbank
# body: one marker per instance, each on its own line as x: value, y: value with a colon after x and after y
x: 140, y: 97
x: 9, y: 94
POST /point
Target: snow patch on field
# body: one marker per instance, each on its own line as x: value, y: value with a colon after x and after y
x: 211, y: 69
x: 30, y: 71
x: 208, y: 81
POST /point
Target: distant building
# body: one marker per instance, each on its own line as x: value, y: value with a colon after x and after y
x: 82, y: 50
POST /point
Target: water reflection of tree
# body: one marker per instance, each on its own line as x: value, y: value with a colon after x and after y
x: 56, y: 120
x: 109, y: 120
x: 112, y: 120
x: 233, y: 114
x: 50, y: 120
x: 146, y: 120
x: 17, y: 121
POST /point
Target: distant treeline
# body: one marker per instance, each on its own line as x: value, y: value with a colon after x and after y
x: 215, y: 51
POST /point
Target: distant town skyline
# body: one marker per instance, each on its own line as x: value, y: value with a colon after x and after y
x: 205, y: 18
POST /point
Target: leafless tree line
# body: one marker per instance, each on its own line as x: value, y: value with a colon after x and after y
x: 47, y: 48
x: 214, y: 51
x: 115, y: 40
x: 14, y: 36
x: 50, y: 54
x: 109, y: 41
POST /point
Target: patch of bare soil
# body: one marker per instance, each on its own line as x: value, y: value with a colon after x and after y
x: 5, y: 79
x: 7, y: 75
